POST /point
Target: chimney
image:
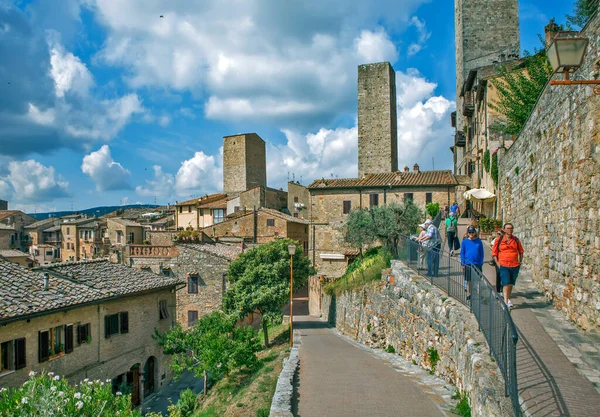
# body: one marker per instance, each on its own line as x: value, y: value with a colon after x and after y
x: 46, y: 281
x: 416, y: 168
x: 406, y: 169
x: 551, y: 29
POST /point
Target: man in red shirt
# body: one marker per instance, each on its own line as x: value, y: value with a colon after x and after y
x: 508, y: 254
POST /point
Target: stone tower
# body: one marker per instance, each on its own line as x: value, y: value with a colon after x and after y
x: 486, y: 32
x: 377, y: 121
x: 244, y: 163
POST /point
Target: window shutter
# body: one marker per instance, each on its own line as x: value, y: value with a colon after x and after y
x: 106, y: 327
x: 20, y: 353
x: 87, y: 330
x: 43, y: 346
x: 79, y: 338
x: 124, y: 322
x: 69, y: 339
x: 347, y: 206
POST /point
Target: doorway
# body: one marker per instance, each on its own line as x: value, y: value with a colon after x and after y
x: 149, y: 371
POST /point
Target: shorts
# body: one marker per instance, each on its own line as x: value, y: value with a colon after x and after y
x: 508, y: 275
x: 469, y: 271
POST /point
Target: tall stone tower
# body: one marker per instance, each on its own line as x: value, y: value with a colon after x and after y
x: 486, y: 32
x: 244, y: 163
x: 377, y: 121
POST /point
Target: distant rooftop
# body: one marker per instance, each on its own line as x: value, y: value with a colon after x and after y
x: 395, y: 179
x: 124, y: 222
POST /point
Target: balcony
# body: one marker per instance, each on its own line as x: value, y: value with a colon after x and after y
x: 468, y: 104
x: 151, y: 251
x: 460, y: 139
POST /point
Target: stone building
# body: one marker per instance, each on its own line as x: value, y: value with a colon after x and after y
x: 486, y: 33
x: 13, y: 235
x: 201, y: 212
x: 88, y: 319
x: 297, y: 202
x: 549, y: 189
x: 201, y: 266
x: 331, y: 201
x: 377, y: 121
x: 18, y: 257
x: 123, y: 232
x: 85, y: 238
x: 244, y: 163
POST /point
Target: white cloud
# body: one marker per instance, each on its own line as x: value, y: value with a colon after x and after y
x: 423, y: 36
x: 164, y: 120
x: 33, y: 181
x: 375, y: 46
x: 6, y: 190
x: 104, y: 171
x: 68, y: 72
x: 163, y: 184
x: 41, y: 117
x: 202, y: 174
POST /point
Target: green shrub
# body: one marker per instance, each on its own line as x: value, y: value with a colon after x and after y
x: 187, y: 402
x: 432, y: 209
x: 434, y: 357
x: 463, y: 409
x: 263, y: 412
x: 494, y: 168
x: 390, y: 349
x: 361, y: 271
x: 486, y: 160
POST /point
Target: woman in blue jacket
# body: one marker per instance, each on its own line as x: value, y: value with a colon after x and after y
x: 471, y: 256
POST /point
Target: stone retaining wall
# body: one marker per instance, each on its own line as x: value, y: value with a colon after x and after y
x: 414, y: 317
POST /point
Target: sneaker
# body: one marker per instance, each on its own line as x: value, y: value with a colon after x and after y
x: 509, y: 304
x: 468, y: 297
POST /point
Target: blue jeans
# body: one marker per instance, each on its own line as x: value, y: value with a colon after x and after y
x: 508, y: 275
x: 433, y: 260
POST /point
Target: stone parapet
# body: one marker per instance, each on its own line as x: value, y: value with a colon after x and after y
x: 420, y: 322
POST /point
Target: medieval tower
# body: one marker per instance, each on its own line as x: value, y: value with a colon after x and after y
x: 377, y: 121
x: 244, y: 163
x: 486, y: 32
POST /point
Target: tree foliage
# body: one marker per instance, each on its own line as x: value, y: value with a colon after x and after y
x: 432, y: 209
x: 486, y: 160
x: 213, y: 344
x: 260, y: 281
x: 518, y: 91
x: 359, y: 229
x: 494, y: 168
x: 583, y: 10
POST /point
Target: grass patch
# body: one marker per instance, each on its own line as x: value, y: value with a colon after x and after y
x: 361, y: 271
x: 463, y: 409
x: 390, y: 349
x: 434, y: 357
x: 249, y: 392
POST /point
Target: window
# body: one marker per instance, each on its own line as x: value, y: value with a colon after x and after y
x: 295, y: 199
x: 84, y: 334
x: 236, y: 209
x: 131, y: 237
x: 218, y: 215
x: 192, y: 317
x: 202, y: 212
x: 428, y: 197
x: 119, y: 234
x: 48, y: 253
x: 166, y: 271
x: 116, y: 323
x: 193, y: 284
x: 189, y: 209
x: 373, y: 200
x: 347, y: 206
x: 13, y: 355
x: 270, y: 222
x: 408, y: 196
x: 68, y: 231
x: 181, y: 209
x: 295, y: 214
x: 163, y: 313
x: 55, y: 341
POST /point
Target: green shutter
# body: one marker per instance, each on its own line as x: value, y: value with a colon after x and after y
x: 20, y: 353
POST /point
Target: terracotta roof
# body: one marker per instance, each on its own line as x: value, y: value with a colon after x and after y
x: 71, y: 284
x: 283, y: 216
x: 6, y: 227
x: 202, y: 200
x: 12, y: 253
x: 6, y: 213
x: 224, y: 251
x: 395, y: 179
x: 40, y: 223
x: 124, y: 222
x: 52, y: 229
x: 217, y: 204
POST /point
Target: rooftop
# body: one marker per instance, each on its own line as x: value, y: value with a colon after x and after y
x: 6, y: 227
x: 12, y: 253
x: 71, y: 284
x: 41, y: 223
x: 124, y: 222
x: 395, y: 179
x: 202, y: 200
x: 7, y: 213
x: 226, y: 251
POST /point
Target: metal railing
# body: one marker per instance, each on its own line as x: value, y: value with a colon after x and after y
x: 470, y: 287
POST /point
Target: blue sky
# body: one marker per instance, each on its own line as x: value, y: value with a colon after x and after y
x: 102, y: 102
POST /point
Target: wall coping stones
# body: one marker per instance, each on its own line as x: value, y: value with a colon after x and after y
x: 282, y: 403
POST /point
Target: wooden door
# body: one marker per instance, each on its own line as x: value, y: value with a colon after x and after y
x: 135, y: 386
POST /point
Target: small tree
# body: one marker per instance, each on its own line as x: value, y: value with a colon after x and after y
x: 433, y: 209
x: 583, y: 10
x: 213, y: 344
x: 359, y: 229
x: 260, y: 281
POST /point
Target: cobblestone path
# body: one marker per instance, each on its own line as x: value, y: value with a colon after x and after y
x: 339, y: 379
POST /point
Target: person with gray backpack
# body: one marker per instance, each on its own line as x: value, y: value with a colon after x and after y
x: 451, y: 229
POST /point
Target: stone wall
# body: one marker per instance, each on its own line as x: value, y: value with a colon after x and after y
x: 377, y: 121
x: 413, y: 316
x: 244, y: 163
x: 550, y: 190
x: 297, y: 194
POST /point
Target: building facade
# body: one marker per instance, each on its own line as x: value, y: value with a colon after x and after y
x: 123, y: 232
x: 244, y: 163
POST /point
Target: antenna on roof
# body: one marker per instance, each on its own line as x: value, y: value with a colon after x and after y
x: 300, y: 178
x: 293, y: 176
x: 433, y: 162
x: 288, y: 176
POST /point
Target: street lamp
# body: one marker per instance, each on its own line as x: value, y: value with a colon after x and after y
x: 566, y: 54
x: 291, y: 251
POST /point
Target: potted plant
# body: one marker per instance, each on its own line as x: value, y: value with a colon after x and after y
x: 497, y: 224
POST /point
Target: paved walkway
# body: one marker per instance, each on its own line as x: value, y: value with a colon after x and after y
x: 340, y: 379
x: 160, y: 401
x: 558, y: 365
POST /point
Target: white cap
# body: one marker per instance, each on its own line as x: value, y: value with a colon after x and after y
x: 428, y: 221
x: 423, y: 226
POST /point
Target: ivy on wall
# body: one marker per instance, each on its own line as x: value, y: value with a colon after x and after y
x: 494, y: 169
x: 486, y: 161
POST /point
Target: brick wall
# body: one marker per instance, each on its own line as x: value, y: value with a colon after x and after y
x: 549, y: 188
x: 377, y: 121
x: 101, y: 358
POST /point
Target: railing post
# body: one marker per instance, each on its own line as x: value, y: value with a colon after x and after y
x: 491, y: 322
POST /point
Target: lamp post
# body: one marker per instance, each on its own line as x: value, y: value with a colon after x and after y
x: 291, y: 251
x: 566, y: 54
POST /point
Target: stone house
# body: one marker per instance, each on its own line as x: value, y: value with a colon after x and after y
x: 7, y: 236
x: 200, y: 212
x: 123, y: 232
x: 261, y: 226
x: 89, y: 319
x: 297, y: 200
x: 201, y: 266
x: 84, y: 238
x: 18, y: 257
x: 332, y: 200
x: 17, y: 220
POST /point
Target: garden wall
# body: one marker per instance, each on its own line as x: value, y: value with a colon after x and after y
x: 414, y: 317
x: 550, y: 190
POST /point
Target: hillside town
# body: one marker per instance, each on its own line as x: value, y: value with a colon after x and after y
x: 398, y: 290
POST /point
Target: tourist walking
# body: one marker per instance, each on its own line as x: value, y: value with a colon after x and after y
x: 471, y: 256
x: 508, y: 255
x: 451, y: 228
x: 422, y: 246
x: 454, y: 208
x: 434, y: 243
x: 494, y: 264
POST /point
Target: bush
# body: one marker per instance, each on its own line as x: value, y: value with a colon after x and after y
x: 361, y: 271
x: 187, y: 403
x: 50, y: 395
x: 433, y: 209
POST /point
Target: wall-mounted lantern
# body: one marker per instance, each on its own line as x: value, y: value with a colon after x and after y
x: 566, y: 54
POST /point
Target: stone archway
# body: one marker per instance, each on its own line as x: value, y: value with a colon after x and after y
x: 150, y: 370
